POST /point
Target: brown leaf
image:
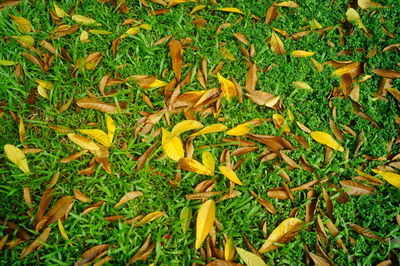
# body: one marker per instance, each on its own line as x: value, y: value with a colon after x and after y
x: 144, y: 251
x: 277, y: 193
x: 73, y: 157
x: 202, y: 195
x: 59, y: 210
x: 288, y: 160
x: 318, y: 261
x: 92, y: 253
x: 273, y: 142
x: 162, y: 40
x: 308, y: 185
x: 223, y: 263
x: 44, y: 203
x: 386, y: 73
x: 277, y: 44
x: 335, y: 232
x: 251, y: 78
x: 80, y: 196
x: 328, y: 203
x: 42, y: 238
x: 311, y: 207
x: 92, y: 60
x: 271, y: 15
x: 34, y: 60
x: 64, y: 30
x: 342, y: 198
x: 127, y: 197
x: 355, y: 188
x: 266, y: 204
x: 93, y: 207
x: 241, y: 38
x: 90, y: 103
x: 365, y: 232
x: 175, y: 50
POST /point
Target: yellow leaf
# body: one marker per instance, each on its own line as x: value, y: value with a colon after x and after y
x: 373, y: 178
x: 24, y: 25
x: 315, y: 25
x: 291, y: 4
x: 210, y: 129
x: 44, y: 84
x: 231, y: 10
x: 352, y: 15
x: 184, y: 126
x: 230, y: 174
x: 229, y: 250
x: 98, y: 135
x: 42, y: 92
x: 239, y: 130
x: 302, y: 85
x: 145, y: 26
x: 130, y: 31
x: 158, y: 84
x: 194, y: 166
x: 26, y: 39
x: 365, y: 4
x: 227, y: 87
x: 205, y: 220
x: 277, y: 44
x: 21, y: 131
x: 62, y: 231
x: 16, y: 156
x: 317, y: 65
x: 395, y: 93
x: 59, y: 12
x: 391, y: 178
x: 149, y: 218
x: 285, y: 231
x: 301, y: 53
x: 326, y: 139
x: 279, y: 122
x: 196, y: 9
x: 173, y: 148
x: 100, y: 32
x: 208, y: 161
x: 249, y: 258
x: 110, y: 128
x: 7, y: 62
x: 227, y: 54
x: 83, y: 20
x: 185, y: 217
x: 84, y: 37
x: 83, y: 142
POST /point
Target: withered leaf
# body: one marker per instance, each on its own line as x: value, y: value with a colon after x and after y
x: 90, y: 103
x: 91, y: 254
x: 144, y: 251
x: 128, y: 196
x: 386, y: 73
x: 42, y: 238
x: 365, y: 232
x: 175, y: 49
x: 92, y: 60
x: 277, y: 45
x: 271, y: 15
x: 355, y: 188
x: 59, y: 210
x: 80, y: 196
x: 266, y: 204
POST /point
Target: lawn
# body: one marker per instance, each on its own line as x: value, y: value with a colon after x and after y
x: 165, y: 132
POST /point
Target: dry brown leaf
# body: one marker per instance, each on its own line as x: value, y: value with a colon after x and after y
x: 73, y: 157
x: 92, y: 60
x: 59, y: 210
x: 175, y: 50
x: 271, y: 15
x: 80, y: 196
x: 386, y: 73
x: 42, y: 238
x: 241, y: 38
x: 144, y: 251
x: 355, y: 188
x: 277, y: 44
x: 127, y: 197
x: 266, y: 204
x: 90, y: 103
x: 365, y: 232
x: 92, y: 253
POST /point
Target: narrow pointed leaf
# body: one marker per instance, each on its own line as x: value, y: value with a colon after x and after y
x: 230, y: 174
x: 249, y: 258
x: 16, y: 156
x: 326, y: 139
x: 83, y: 142
x: 210, y: 129
x: 98, y: 135
x: 391, y: 178
x: 208, y: 161
x: 127, y: 197
x: 205, y: 220
x: 191, y: 165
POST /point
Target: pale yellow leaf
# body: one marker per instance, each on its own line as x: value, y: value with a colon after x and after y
x: 227, y: 87
x: 98, y: 135
x: 239, y: 130
x: 353, y: 16
x: 44, y: 84
x: 7, y: 62
x: 249, y: 258
x: 301, y: 53
x: 110, y: 128
x: 231, y: 10
x: 130, y: 31
x: 16, y: 156
x: 229, y: 250
x: 280, y: 123
x: 302, y: 85
x: 210, y: 129
x: 391, y: 178
x: 84, y: 37
x: 101, y: 32
x: 191, y: 165
x: 226, y: 53
x: 83, y: 142
x: 196, y: 9
x: 83, y: 20
x: 205, y: 220
x: 26, y: 39
x: 326, y: 139
x: 230, y: 174
x: 282, y: 234
x: 62, y: 231
x: 365, y: 4
x: 59, y: 12
x: 208, y: 161
x: 24, y: 25
x: 149, y: 218
x: 290, y: 4
x: 277, y: 44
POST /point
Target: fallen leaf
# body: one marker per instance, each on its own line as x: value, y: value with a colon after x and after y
x: 16, y: 156
x: 302, y: 85
x: 229, y: 250
x: 110, y: 128
x: 185, y: 218
x: 271, y: 15
x: 204, y: 222
x: 149, y: 218
x: 92, y: 60
x: 62, y: 231
x: 42, y: 238
x: 282, y: 234
x: 386, y: 73
x: 144, y: 251
x: 391, y: 178
x: 365, y: 232
x: 277, y: 45
x: 90, y: 103
x: 280, y: 123
x: 24, y: 25
x: 191, y: 165
x: 98, y: 135
x: 184, y: 126
x: 210, y: 129
x: 227, y: 87
x: 196, y: 9
x: 59, y: 210
x: 127, y: 197
x: 175, y: 50
x: 239, y: 130
x: 301, y: 53
x: 80, y: 196
x: 352, y: 15
x: 226, y: 53
x: 230, y: 10
x: 326, y: 139
x: 208, y: 161
x: 290, y: 4
x: 355, y: 188
x: 173, y: 148
x: 83, y: 142
x: 59, y: 12
x: 230, y: 174
x: 83, y: 20
x: 365, y: 4
x: 92, y: 253
x: 249, y: 258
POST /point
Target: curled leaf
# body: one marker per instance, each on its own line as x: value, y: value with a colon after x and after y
x: 127, y: 197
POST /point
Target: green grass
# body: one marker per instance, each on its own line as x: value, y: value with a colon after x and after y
x: 239, y: 216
